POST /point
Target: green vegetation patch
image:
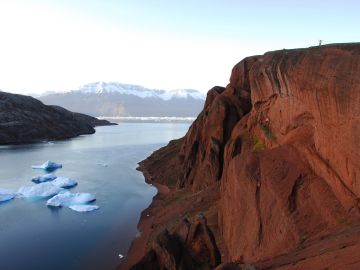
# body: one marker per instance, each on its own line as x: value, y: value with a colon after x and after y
x: 258, y: 144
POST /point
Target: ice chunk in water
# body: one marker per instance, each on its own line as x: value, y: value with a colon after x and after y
x: 48, y: 165
x: 102, y: 164
x: 43, y: 178
x: 6, y: 195
x: 64, y: 182
x: 41, y: 190
x: 69, y: 199
x: 84, y: 207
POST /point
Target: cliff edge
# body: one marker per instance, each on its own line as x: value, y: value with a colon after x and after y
x: 277, y: 153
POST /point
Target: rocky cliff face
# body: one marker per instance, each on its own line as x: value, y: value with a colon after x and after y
x: 305, y: 182
x: 24, y: 119
x: 281, y: 144
x: 191, y: 246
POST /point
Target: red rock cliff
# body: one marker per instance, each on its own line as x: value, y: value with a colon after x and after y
x: 281, y: 142
x: 306, y: 181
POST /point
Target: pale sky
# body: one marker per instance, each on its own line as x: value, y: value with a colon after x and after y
x: 62, y: 44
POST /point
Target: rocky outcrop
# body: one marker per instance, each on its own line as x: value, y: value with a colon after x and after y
x: 280, y: 143
x: 191, y: 246
x: 24, y: 119
x: 304, y: 184
x: 201, y: 155
x: 167, y: 173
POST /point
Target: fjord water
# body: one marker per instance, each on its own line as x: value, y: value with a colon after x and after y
x: 33, y: 236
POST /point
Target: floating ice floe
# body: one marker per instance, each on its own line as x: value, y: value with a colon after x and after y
x: 43, y: 178
x: 84, y: 207
x: 102, y: 164
x: 6, y: 195
x: 64, y: 182
x: 49, y: 185
x: 48, y: 165
x: 70, y: 199
x: 42, y: 190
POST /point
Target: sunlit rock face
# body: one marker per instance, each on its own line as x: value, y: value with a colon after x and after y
x: 281, y: 141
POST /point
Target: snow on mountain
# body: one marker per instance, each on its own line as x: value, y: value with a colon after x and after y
x: 140, y: 91
x: 112, y: 99
x: 182, y: 93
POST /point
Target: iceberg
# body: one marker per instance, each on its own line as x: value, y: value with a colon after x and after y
x: 48, y: 166
x: 41, y: 190
x: 43, y: 178
x: 64, y: 182
x: 70, y: 199
x: 84, y: 208
x: 102, y: 164
x: 6, y: 195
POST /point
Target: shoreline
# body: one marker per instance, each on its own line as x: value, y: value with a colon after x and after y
x: 167, y: 211
x: 48, y: 140
x: 138, y: 246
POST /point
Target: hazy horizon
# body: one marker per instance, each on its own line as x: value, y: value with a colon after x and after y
x: 61, y: 45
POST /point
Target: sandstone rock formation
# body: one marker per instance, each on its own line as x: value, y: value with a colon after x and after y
x: 280, y: 144
x: 191, y: 246
x: 24, y: 119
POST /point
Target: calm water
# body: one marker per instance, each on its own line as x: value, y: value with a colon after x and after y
x: 32, y: 236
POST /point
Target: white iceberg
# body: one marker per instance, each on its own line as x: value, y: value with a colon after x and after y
x: 102, y: 164
x: 70, y: 199
x: 84, y: 208
x: 64, y: 182
x: 41, y: 190
x: 6, y: 195
x: 43, y: 178
x: 48, y: 165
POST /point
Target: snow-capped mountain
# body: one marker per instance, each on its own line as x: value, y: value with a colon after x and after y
x: 117, y: 99
x: 137, y: 90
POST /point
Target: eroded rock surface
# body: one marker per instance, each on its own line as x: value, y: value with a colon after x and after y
x: 191, y: 246
x: 304, y: 183
x: 281, y: 144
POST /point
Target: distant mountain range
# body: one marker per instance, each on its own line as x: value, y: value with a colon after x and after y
x: 126, y: 100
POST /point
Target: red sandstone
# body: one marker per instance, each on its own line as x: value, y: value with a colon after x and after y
x: 273, y: 161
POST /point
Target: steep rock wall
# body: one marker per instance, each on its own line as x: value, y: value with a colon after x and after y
x: 304, y: 183
x: 281, y: 141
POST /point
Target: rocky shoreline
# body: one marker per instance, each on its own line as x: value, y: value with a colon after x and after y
x: 139, y: 245
x: 168, y: 213
x: 24, y: 119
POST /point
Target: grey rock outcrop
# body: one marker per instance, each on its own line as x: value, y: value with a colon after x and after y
x: 24, y: 119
